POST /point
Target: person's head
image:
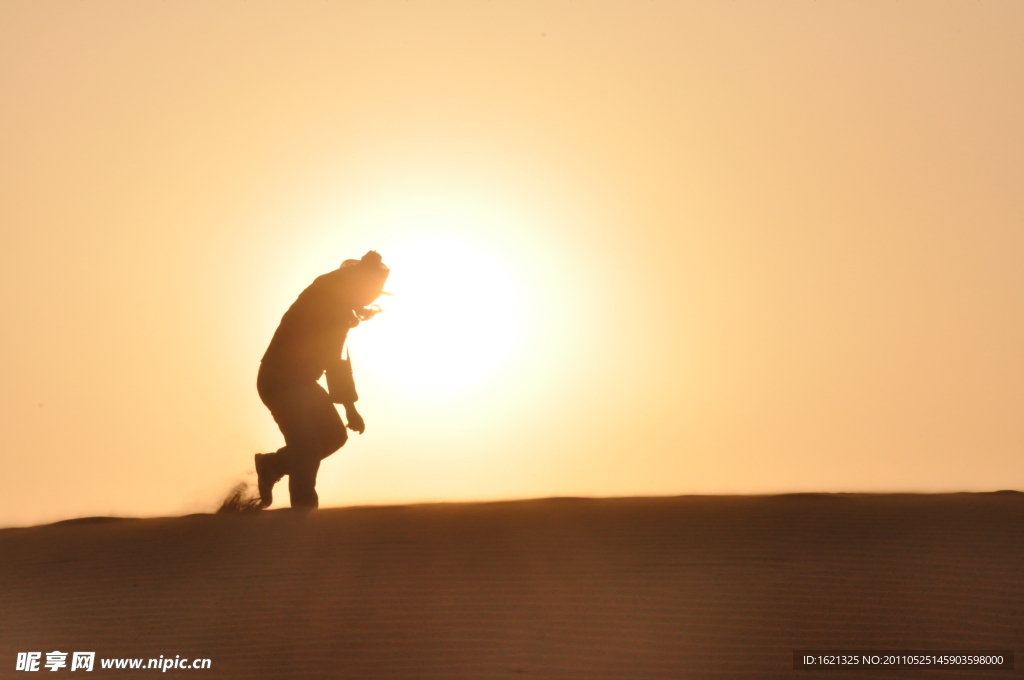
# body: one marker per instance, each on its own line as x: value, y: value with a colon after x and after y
x: 366, y: 281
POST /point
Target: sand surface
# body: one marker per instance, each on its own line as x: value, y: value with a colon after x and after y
x: 687, y: 587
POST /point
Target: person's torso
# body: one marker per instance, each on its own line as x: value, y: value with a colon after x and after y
x: 312, y: 331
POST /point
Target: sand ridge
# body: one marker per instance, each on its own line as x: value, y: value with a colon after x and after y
x: 684, y: 587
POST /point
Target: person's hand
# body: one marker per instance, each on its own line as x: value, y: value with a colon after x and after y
x: 355, y: 421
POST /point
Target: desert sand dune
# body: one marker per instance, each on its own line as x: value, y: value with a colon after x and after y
x: 687, y: 587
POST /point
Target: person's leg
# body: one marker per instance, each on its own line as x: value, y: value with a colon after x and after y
x: 315, y: 431
x: 302, y: 482
x: 271, y: 467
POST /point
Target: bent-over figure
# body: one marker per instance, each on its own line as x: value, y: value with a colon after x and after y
x: 308, y: 342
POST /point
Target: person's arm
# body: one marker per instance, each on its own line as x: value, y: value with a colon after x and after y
x: 342, y: 388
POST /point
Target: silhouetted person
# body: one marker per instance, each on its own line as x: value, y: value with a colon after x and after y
x: 307, y: 343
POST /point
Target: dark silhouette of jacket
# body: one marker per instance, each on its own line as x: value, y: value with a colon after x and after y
x: 312, y: 332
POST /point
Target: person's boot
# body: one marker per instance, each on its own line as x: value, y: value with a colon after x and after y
x: 266, y: 478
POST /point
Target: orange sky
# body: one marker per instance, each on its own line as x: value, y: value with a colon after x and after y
x: 735, y: 247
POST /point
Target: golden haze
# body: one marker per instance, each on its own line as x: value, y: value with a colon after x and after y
x: 742, y: 247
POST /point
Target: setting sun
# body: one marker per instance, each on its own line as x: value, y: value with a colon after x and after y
x: 453, y: 317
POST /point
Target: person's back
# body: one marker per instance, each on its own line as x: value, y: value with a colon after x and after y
x: 313, y: 330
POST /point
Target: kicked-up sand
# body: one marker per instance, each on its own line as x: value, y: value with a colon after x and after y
x: 638, y: 588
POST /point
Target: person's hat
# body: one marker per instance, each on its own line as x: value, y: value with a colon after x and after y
x: 372, y: 266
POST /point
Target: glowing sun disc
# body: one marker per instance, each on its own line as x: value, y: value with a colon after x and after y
x: 453, y: 320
